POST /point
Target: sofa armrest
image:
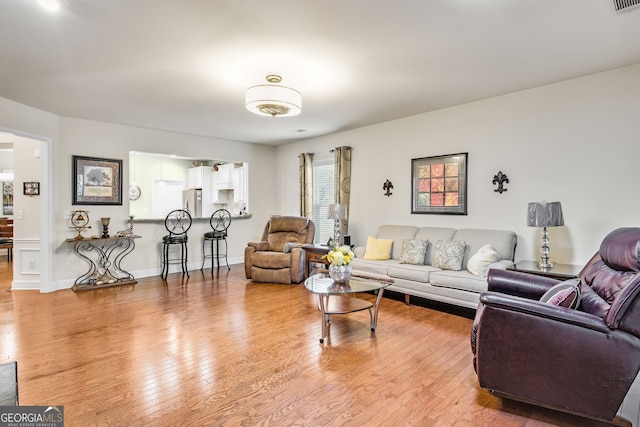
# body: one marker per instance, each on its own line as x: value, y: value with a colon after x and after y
x: 519, y: 283
x: 503, y: 264
x: 259, y: 246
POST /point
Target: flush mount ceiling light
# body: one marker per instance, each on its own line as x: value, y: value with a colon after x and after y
x: 272, y: 99
x: 53, y: 5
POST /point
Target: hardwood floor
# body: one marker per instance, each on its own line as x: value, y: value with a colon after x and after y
x: 218, y: 350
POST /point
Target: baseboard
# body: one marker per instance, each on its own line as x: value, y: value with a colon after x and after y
x: 31, y: 285
x: 25, y: 285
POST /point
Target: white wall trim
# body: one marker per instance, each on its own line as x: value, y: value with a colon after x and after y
x: 139, y: 274
x: 25, y: 285
x: 29, y: 257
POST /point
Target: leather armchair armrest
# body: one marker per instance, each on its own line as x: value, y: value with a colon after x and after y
x: 542, y: 310
x: 519, y: 283
x: 259, y: 246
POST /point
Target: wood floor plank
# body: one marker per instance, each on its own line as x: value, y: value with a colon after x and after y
x: 215, y: 349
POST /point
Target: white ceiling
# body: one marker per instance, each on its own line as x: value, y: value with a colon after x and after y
x: 184, y: 65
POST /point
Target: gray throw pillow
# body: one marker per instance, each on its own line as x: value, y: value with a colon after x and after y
x: 448, y: 255
x: 413, y: 251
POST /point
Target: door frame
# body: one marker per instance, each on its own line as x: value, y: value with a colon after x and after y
x: 46, y: 206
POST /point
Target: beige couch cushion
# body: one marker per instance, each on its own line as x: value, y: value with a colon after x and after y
x: 504, y: 242
x: 418, y: 273
x: 397, y: 233
x: 285, y: 229
x: 433, y: 234
x: 288, y: 223
x: 375, y: 267
x: 462, y: 280
x: 268, y: 259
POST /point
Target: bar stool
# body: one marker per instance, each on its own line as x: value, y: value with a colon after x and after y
x: 219, y: 221
x: 177, y: 224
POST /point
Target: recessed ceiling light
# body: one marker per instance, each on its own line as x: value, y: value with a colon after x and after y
x: 53, y: 5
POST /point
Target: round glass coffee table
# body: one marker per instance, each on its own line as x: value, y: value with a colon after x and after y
x: 333, y: 299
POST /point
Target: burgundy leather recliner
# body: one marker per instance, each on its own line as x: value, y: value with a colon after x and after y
x: 581, y: 361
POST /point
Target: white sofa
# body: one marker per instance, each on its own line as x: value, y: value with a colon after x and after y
x: 454, y: 287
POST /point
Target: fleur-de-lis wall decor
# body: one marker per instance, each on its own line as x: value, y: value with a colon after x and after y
x: 387, y: 188
x: 500, y: 179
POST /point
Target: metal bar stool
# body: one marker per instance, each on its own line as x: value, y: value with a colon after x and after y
x: 219, y: 221
x: 177, y: 224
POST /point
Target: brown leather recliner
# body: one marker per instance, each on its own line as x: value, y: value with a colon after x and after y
x: 581, y: 361
x: 279, y: 257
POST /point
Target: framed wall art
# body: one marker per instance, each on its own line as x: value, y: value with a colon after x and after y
x: 31, y: 188
x: 439, y: 185
x: 96, y: 181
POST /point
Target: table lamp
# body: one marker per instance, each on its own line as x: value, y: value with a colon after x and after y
x: 545, y: 214
x: 337, y: 212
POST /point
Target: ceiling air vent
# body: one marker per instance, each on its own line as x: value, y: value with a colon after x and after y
x: 625, y: 5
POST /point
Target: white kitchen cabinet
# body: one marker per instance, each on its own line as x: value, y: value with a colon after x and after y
x: 238, y: 184
x: 198, y: 175
x: 222, y: 177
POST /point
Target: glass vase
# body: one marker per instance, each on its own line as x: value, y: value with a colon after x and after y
x: 340, y: 273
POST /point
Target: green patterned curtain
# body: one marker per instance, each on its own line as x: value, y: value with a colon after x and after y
x: 306, y: 184
x: 342, y: 185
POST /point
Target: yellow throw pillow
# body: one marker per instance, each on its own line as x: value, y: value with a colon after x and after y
x: 378, y: 249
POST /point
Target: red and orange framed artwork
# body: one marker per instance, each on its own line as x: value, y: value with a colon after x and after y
x: 439, y: 184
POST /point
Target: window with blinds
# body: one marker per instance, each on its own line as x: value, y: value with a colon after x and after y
x: 322, y: 198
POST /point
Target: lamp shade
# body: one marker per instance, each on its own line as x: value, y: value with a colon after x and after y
x: 273, y: 100
x: 544, y: 214
x: 337, y: 211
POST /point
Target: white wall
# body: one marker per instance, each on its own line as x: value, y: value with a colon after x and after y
x: 98, y: 139
x: 577, y: 142
x: 63, y: 137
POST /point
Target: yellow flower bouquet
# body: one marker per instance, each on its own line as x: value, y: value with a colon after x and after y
x: 340, y: 255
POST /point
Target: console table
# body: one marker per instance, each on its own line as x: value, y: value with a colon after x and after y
x: 104, y: 255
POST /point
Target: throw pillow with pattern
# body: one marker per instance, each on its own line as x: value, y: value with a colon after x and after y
x: 448, y: 255
x: 413, y: 251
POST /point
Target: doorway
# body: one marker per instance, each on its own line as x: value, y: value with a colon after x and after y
x: 31, y: 163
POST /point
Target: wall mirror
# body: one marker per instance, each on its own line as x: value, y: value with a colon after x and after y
x: 160, y: 183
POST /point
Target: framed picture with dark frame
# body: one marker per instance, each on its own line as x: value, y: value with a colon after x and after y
x: 96, y: 181
x: 439, y: 184
x: 31, y: 188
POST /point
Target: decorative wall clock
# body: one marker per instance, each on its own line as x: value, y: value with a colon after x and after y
x: 134, y: 192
